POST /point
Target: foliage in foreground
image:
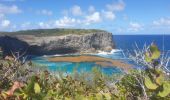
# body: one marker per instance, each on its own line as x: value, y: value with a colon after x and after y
x: 47, y: 86
x: 152, y: 83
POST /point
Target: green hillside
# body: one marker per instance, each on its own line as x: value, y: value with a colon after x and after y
x: 52, y: 32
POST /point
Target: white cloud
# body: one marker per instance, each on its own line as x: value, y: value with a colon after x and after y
x: 162, y: 22
x: 62, y: 22
x: 90, y: 16
x: 73, y: 17
x: 161, y: 25
x: 119, y: 6
x: 4, y: 9
x: 109, y: 15
x: 91, y: 9
x: 93, y: 18
x: 76, y: 10
x: 134, y: 27
x: 44, y: 25
x: 45, y: 12
x: 26, y: 25
x: 131, y: 27
x: 66, y: 22
x: 5, y: 23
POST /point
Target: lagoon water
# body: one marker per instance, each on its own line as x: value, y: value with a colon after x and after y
x: 123, y: 43
x: 69, y: 67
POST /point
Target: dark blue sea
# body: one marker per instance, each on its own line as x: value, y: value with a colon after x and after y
x: 127, y: 42
x: 123, y: 44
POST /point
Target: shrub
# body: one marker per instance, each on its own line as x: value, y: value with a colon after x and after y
x: 24, y: 82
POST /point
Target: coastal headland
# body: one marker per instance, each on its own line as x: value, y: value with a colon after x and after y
x: 56, y: 41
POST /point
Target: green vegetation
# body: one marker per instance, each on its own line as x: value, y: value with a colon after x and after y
x: 24, y: 82
x: 1, y: 53
x: 53, y: 32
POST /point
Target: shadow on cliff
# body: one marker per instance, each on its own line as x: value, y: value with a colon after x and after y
x: 39, y: 50
x: 11, y: 44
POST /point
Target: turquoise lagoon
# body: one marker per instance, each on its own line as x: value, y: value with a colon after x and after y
x: 70, y: 67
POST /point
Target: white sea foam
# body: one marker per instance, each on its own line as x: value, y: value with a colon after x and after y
x: 56, y: 55
x: 99, y: 53
x: 111, y: 52
x: 116, y: 50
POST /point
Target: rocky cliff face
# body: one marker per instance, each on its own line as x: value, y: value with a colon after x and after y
x: 58, y: 44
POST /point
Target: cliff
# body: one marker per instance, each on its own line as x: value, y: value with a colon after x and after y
x: 62, y: 44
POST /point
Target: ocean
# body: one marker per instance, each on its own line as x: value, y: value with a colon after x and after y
x: 127, y: 42
x: 123, y: 44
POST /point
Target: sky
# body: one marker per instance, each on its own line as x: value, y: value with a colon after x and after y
x: 116, y: 16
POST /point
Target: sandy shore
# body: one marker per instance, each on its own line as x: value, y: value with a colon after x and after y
x: 98, y: 60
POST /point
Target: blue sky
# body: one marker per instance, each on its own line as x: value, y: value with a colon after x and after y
x: 116, y: 16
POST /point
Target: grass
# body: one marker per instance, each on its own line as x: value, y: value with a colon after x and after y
x: 52, y: 32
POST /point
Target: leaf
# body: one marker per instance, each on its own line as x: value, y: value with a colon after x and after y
x: 155, y: 51
x: 147, y: 57
x: 67, y: 98
x: 99, y: 96
x: 4, y: 94
x: 107, y: 96
x: 25, y: 96
x: 149, y: 84
x: 30, y: 86
x: 37, y: 88
x: 166, y: 90
x: 153, y: 54
x: 160, y: 79
x: 80, y: 97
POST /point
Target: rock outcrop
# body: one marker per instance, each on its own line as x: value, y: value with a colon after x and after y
x: 47, y: 45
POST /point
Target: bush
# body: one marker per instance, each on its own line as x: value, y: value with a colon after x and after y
x: 24, y: 82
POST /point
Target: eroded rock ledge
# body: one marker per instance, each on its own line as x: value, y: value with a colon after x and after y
x: 48, y: 45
